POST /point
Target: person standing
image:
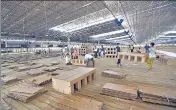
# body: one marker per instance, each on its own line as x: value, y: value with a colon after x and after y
x: 72, y: 51
x: 89, y: 58
x: 102, y: 51
x: 118, y: 60
x: 95, y: 52
x: 118, y: 48
x: 151, y: 56
x: 129, y: 48
x: 75, y: 53
x: 139, y: 50
x: 132, y: 48
x: 146, y: 48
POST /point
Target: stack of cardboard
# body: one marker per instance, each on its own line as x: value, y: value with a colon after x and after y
x: 23, y: 68
x: 40, y: 80
x: 36, y: 66
x: 158, y: 95
x: 120, y: 91
x: 9, y: 79
x: 26, y: 93
x: 51, y: 69
x: 36, y: 72
x: 54, y: 63
x: 5, y: 65
x: 13, y: 67
x: 112, y: 74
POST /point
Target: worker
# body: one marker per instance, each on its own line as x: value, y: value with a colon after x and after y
x: 151, y: 56
x: 89, y: 58
x: 139, y: 50
x: 129, y: 48
x: 118, y: 48
x: 98, y: 51
x: 132, y: 48
x: 118, y: 60
x: 146, y: 48
x: 102, y: 52
x: 74, y: 54
x: 95, y: 52
x: 67, y: 60
x: 72, y: 50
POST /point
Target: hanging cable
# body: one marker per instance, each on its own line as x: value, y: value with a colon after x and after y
x: 127, y: 21
x: 116, y: 18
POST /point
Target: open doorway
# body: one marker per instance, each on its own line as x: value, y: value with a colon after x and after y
x: 88, y: 79
x: 82, y: 82
x: 92, y: 76
x: 76, y: 86
x: 132, y: 58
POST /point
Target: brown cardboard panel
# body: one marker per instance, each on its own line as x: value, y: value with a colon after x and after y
x: 40, y: 80
x: 26, y: 89
x: 159, y: 102
x: 113, y: 74
x: 8, y: 79
x: 158, y: 92
x: 121, y: 91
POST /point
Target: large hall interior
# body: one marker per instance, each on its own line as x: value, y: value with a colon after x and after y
x: 88, y: 55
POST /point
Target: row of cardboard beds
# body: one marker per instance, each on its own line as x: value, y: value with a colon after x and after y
x: 27, y: 92
x: 30, y: 88
x: 32, y: 70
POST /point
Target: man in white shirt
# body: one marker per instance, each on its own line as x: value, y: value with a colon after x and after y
x: 89, y: 58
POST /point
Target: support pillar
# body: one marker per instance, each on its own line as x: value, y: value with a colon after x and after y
x: 90, y: 78
x: 123, y: 57
x: 135, y: 58
x: 118, y: 56
x: 72, y: 89
x: 142, y: 59
x: 79, y: 61
x: 79, y: 85
x: 129, y: 57
x: 93, y: 75
x: 85, y: 81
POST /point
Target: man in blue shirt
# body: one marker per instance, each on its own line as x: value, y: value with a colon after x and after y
x: 118, y: 48
x: 146, y: 48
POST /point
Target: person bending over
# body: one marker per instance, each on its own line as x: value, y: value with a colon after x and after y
x: 89, y: 58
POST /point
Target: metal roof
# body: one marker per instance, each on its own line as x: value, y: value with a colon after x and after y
x: 79, y: 20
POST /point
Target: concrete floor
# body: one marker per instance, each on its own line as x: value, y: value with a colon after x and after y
x: 137, y: 75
